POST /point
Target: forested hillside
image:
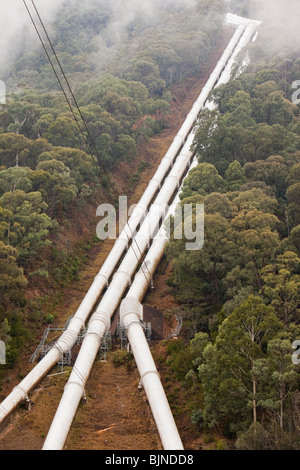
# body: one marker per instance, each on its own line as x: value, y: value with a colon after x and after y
x: 120, y: 67
x: 240, y: 294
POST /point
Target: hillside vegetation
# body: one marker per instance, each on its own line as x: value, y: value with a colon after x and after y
x: 120, y: 67
x: 240, y: 294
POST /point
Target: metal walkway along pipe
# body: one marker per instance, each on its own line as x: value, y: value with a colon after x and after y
x: 100, y: 321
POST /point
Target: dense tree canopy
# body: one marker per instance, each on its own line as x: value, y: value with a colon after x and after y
x: 120, y: 68
x: 240, y: 293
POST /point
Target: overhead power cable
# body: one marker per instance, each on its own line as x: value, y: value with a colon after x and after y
x: 78, y: 109
x: 74, y: 98
x: 61, y: 86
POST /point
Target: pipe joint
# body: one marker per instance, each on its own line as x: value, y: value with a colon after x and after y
x: 124, y: 273
x: 147, y: 373
x: 193, y: 114
x: 130, y: 306
x: 141, y: 208
x: 3, y: 411
x: 176, y: 178
x: 124, y: 238
x: 66, y: 341
x: 157, y: 181
x: 180, y: 137
x: 103, y: 317
x: 23, y: 392
x: 102, y: 276
x: 129, y: 322
x: 169, y: 160
x: 75, y: 320
x: 78, y: 384
x: 94, y: 333
x: 159, y: 207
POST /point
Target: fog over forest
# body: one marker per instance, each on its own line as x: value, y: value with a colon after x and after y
x: 133, y: 70
x: 18, y: 35
x: 281, y: 17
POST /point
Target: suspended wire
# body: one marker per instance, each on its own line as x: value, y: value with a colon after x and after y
x: 80, y: 113
x: 76, y: 104
x: 73, y: 96
x: 60, y: 83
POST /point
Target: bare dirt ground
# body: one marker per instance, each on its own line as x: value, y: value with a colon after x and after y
x: 116, y: 415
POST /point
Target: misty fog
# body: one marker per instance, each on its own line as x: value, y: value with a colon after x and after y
x: 17, y: 33
x: 281, y: 19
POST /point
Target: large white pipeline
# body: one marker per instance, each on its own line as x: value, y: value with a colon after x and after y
x: 131, y: 310
x: 131, y: 314
x: 77, y: 323
x: 100, y: 321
